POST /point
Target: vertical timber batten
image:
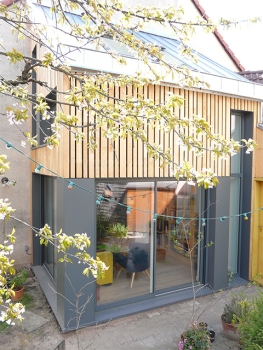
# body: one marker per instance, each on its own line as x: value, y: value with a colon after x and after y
x: 127, y: 157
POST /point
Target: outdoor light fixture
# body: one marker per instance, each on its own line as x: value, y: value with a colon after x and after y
x: 4, y: 180
x: 203, y: 222
x: 38, y: 168
x: 70, y: 185
x: 99, y: 200
x: 178, y: 221
x: 154, y: 217
x: 128, y: 210
x: 245, y: 217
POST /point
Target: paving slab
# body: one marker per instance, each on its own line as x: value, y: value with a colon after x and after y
x: 32, y: 322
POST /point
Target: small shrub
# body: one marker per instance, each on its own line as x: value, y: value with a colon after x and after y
x: 19, y: 279
x: 237, y: 308
x: 250, y: 327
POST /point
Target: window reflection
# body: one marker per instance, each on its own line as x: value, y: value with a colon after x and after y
x: 125, y: 240
x: 177, y: 229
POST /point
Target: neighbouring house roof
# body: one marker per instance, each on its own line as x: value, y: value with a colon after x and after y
x: 219, y: 37
x: 255, y: 76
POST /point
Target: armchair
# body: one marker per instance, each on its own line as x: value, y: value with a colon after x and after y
x: 137, y: 259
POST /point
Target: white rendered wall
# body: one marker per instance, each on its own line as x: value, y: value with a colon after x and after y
x: 20, y: 194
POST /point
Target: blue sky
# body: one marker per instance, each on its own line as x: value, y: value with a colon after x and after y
x: 245, y: 40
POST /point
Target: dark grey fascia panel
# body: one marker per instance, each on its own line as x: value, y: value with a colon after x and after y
x: 76, y: 214
x: 218, y: 233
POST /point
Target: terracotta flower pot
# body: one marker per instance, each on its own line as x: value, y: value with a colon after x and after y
x: 19, y: 293
x: 160, y: 254
x: 230, y: 330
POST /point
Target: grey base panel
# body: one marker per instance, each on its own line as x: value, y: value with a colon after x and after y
x: 49, y: 289
x: 159, y: 301
x: 48, y: 286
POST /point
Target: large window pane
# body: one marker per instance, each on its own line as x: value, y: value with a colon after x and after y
x: 235, y: 135
x: 124, y: 239
x: 49, y: 218
x: 233, y: 224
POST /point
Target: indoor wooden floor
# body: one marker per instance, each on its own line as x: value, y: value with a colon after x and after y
x: 172, y: 271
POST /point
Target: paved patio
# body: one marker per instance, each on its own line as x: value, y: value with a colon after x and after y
x: 160, y: 328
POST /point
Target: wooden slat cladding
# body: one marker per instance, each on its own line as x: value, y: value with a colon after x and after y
x: 56, y: 159
x: 123, y: 158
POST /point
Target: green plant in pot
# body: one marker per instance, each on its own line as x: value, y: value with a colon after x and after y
x: 250, y: 327
x: 117, y: 234
x: 16, y: 284
x: 195, y: 337
x: 235, y: 309
x: 118, y: 230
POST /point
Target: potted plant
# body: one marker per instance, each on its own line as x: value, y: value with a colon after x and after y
x: 16, y: 285
x: 117, y: 234
x: 250, y: 327
x: 118, y: 230
x: 195, y: 337
x: 237, y: 307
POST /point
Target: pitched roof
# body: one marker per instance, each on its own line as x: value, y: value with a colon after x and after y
x: 219, y: 37
x: 204, y: 15
x: 171, y: 51
x: 170, y: 48
x: 255, y: 76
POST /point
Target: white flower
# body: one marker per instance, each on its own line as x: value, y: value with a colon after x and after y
x: 191, y: 183
x: 45, y: 116
x: 109, y: 134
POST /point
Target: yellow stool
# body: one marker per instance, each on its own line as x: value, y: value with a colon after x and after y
x: 107, y: 258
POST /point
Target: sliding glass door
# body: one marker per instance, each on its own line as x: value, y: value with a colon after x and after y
x: 177, y: 245
x: 146, y: 248
x: 124, y: 239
